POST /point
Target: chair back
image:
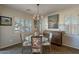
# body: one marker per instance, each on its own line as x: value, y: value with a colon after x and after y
x: 50, y: 35
x: 26, y: 38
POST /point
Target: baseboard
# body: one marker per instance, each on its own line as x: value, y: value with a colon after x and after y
x: 9, y: 46
x: 70, y: 47
x: 65, y: 46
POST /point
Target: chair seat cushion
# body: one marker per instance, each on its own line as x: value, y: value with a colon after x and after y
x: 36, y: 50
x: 25, y: 43
x: 44, y: 39
x: 47, y: 43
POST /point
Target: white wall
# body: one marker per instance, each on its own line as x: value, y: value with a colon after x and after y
x: 68, y: 40
x: 7, y: 35
x: 71, y: 40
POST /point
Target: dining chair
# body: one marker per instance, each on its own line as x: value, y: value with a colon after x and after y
x: 46, y: 41
x: 25, y: 40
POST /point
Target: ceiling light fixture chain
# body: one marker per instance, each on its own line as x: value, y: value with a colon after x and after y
x: 38, y: 12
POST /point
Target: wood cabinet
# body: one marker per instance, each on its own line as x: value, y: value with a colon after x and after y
x: 56, y: 37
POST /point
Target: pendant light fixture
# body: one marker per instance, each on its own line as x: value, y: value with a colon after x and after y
x: 37, y: 18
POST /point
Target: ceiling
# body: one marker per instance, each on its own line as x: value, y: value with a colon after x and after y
x: 43, y: 8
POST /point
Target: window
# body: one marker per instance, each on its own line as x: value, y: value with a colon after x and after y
x: 23, y: 25
x: 72, y: 25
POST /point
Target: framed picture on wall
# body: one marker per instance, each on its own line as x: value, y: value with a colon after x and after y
x: 5, y: 21
x: 53, y: 21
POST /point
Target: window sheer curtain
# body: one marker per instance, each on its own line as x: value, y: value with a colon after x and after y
x: 72, y: 25
x: 23, y: 25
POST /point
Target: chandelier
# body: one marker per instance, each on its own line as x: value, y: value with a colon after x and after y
x: 37, y: 21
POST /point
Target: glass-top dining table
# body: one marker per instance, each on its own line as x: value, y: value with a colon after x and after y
x: 37, y: 43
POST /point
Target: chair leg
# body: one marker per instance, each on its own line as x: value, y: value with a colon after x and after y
x: 22, y: 49
x: 53, y: 48
x: 50, y: 48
